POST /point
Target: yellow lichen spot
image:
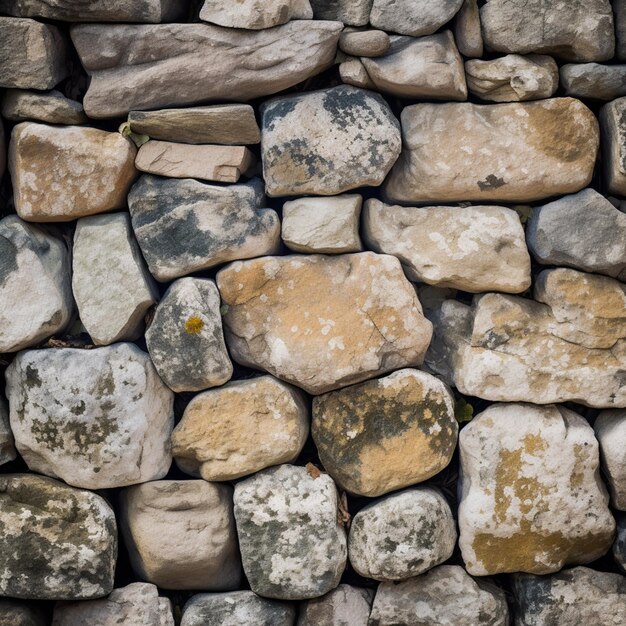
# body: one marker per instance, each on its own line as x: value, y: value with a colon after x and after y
x: 194, y: 325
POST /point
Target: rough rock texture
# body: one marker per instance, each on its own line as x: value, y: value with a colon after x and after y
x: 15, y: 613
x: 350, y: 12
x: 361, y: 318
x: 473, y: 248
x: 619, y: 546
x: 467, y: 32
x: 619, y: 10
x: 531, y: 495
x: 413, y: 17
x: 241, y: 428
x: 610, y: 429
x: 94, y: 418
x: 613, y: 125
x: 536, y: 150
x: 255, y: 14
x: 592, y: 80
x: 343, y: 606
x: 51, y: 107
x: 180, y: 534
x: 7, y: 444
x: 292, y: 544
x: 365, y: 43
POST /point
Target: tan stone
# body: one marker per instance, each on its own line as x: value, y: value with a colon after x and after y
x: 467, y: 32
x: 254, y: 14
x: 364, y: 43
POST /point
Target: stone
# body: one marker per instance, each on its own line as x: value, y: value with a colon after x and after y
x: 244, y: 64
x: 610, y: 427
x: 228, y: 124
x: 584, y: 231
x: 35, y: 284
x: 444, y: 596
x: 180, y: 534
x: 619, y: 546
x: 531, y: 496
x: 402, y: 535
x: 472, y: 248
x: 613, y: 126
x: 467, y: 31
x: 3, y: 152
x: 52, y: 107
x: 255, y: 14
x: 323, y: 225
x: 327, y: 142
x: 60, y: 173
x: 14, y: 613
x: 7, y: 443
x: 184, y: 226
x: 536, y: 150
x: 343, y: 606
x: 579, y: 30
x: 353, y: 72
x: 593, y: 80
x: 57, y: 542
x: 292, y: 545
x: 110, y: 280
x: 413, y: 17
x: 32, y: 54
x: 94, y: 418
x: 241, y: 428
x: 387, y: 433
x: 619, y: 13
x: 185, y: 339
x: 364, y: 43
x: 323, y: 322
x: 224, y: 164
x: 350, y: 12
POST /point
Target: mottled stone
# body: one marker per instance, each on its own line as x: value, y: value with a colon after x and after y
x: 350, y: 12
x: 255, y: 14
x: 613, y: 125
x: 50, y: 107
x: 413, y: 17
x: 364, y: 43
x: 15, y: 613
x: 610, y: 429
x: 619, y: 11
x: 593, y: 80
x: 7, y: 444
x: 467, y: 31
x: 343, y: 606
x: 619, y: 546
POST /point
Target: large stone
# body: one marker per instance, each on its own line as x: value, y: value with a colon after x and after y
x: 413, y: 17
x: 350, y: 12
x: 578, y: 30
x: 593, y: 80
x: 255, y: 14
x: 185, y: 339
x: 241, y: 428
x: 15, y: 613
x: 243, y: 64
x: 57, y: 543
x: 387, y: 433
x: 613, y: 125
x: 531, y: 495
x: 323, y: 322
x: 343, y: 606
x: 7, y: 443
x: 536, y: 150
x: 467, y: 31
x: 327, y: 142
x: 51, y: 107
x: 473, y: 248
x: 610, y: 429
x: 366, y: 43
x: 35, y: 284
x: 184, y: 226
x: 94, y: 418
x: 64, y: 172
x: 180, y: 534
x: 292, y: 544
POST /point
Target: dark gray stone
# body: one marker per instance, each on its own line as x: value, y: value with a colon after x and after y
x: 619, y: 546
x: 14, y: 613
x: 343, y: 606
x: 350, y: 12
x: 594, y: 80
x: 619, y: 10
x: 7, y: 444
x: 52, y: 107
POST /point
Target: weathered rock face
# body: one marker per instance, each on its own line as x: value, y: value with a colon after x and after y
x: 244, y: 64
x: 241, y: 428
x: 536, y: 150
x: 366, y: 43
x: 292, y: 544
x: 610, y: 429
x: 61, y: 173
x: 531, y: 495
x: 592, y: 80
x: 360, y: 318
x: 619, y: 10
x: 467, y: 31
x: 385, y: 434
x: 255, y: 14
x: 343, y: 606
x: 51, y: 107
x: 350, y: 12
x: 14, y: 613
x: 94, y: 418
x: 50, y: 532
x: 184, y: 226
x: 413, y: 17
x: 327, y: 142
x: 473, y: 248
x: 7, y: 444
x: 180, y: 534
x: 613, y: 124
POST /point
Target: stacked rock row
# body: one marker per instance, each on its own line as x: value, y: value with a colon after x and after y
x: 256, y: 284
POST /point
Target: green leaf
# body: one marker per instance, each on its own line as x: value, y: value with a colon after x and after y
x: 463, y: 411
x: 137, y: 139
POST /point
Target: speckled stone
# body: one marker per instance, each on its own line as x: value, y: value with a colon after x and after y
x: 51, y: 107
x: 254, y: 14
x: 343, y: 606
x: 610, y: 429
x: 413, y: 17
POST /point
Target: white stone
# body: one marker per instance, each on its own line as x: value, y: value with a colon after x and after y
x: 255, y: 14
x: 610, y: 429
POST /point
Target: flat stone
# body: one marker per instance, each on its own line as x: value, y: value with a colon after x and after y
x: 536, y: 150
x: 110, y: 280
x: 413, y: 17
x: 387, y: 433
x: 180, y: 534
x: 323, y: 225
x: 185, y: 339
x: 579, y: 30
x: 593, y: 80
x: 610, y: 429
x: 35, y: 284
x: 57, y: 543
x: 244, y: 64
x: 444, y: 596
x: 323, y: 322
x: 619, y: 14
x: 292, y: 544
x: 467, y: 31
x: 473, y: 248
x: 531, y: 496
x: 343, y: 606
x: 51, y: 107
x: 350, y: 12
x: 61, y: 173
x: 327, y: 142
x: 15, y: 613
x: 613, y: 126
x: 619, y: 546
x: 241, y: 428
x: 94, y: 418
x: 7, y: 444
x: 255, y: 14
x: 185, y: 226
x: 364, y: 43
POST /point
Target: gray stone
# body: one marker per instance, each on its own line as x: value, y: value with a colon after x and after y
x: 467, y: 31
x: 610, y: 429
x: 52, y: 107
x: 184, y: 226
x: 7, y: 443
x: 593, y: 80
x: 3, y: 152
x: 15, y: 613
x: 350, y: 12
x: 619, y: 546
x: 364, y: 43
x: 619, y: 10
x: 254, y: 14
x: 413, y: 17
x: 613, y: 126
x: 343, y: 606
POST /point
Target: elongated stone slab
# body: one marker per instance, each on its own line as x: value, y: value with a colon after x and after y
x: 254, y: 14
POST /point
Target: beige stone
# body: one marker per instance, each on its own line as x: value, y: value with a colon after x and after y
x: 413, y: 17
x: 254, y: 14
x: 50, y: 107
x: 610, y: 429
x: 353, y: 72
x: 467, y: 32
x: 364, y: 43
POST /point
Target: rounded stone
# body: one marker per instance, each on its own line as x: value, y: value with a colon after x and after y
x: 364, y: 43
x: 343, y: 606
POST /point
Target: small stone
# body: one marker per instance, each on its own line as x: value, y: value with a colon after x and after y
x: 467, y: 31
x: 185, y: 338
x: 413, y: 17
x: 353, y: 72
x: 619, y: 546
x: 94, y: 418
x: 350, y: 12
x: 292, y: 544
x: 343, y: 606
x: 241, y: 428
x: 64, y: 172
x: 327, y: 142
x: 613, y: 125
x: 323, y: 225
x: 185, y: 226
x: 7, y: 443
x: 255, y: 14
x: 610, y: 429
x: 14, y: 613
x: 52, y: 107
x: 593, y: 80
x: 387, y: 433
x: 473, y: 248
x: 532, y: 499
x: 57, y: 543
x: 364, y: 43
x: 180, y: 534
